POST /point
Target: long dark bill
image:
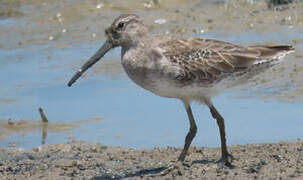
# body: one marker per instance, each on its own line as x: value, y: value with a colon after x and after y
x: 96, y: 57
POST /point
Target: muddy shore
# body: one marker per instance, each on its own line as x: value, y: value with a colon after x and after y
x: 84, y: 160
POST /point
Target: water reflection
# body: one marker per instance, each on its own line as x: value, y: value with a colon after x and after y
x: 44, y: 132
x: 22, y: 127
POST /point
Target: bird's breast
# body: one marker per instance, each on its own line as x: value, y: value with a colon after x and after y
x: 139, y: 70
x: 147, y: 68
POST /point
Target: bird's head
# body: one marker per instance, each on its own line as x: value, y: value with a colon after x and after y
x: 125, y: 31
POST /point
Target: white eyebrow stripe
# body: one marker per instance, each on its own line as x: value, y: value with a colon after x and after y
x: 126, y: 19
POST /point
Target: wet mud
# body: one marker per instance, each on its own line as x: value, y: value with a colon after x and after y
x: 84, y: 160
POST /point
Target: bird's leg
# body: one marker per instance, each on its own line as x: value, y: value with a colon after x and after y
x: 191, y: 134
x: 220, y: 122
x: 179, y: 166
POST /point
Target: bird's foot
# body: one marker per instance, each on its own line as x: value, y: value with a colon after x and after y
x: 226, y: 161
x: 176, y: 168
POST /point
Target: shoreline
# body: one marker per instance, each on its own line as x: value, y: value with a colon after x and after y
x: 89, y: 160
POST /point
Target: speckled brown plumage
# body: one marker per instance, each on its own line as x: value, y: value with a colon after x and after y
x: 208, y: 61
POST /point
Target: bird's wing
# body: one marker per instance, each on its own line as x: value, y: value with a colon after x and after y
x: 206, y: 60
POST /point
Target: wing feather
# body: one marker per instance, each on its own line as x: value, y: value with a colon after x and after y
x: 208, y: 60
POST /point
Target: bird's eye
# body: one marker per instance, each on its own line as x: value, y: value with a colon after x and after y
x: 120, y: 25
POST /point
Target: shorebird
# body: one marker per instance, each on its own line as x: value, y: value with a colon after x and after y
x: 186, y: 68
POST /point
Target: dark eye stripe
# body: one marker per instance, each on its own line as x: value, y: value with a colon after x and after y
x: 120, y: 25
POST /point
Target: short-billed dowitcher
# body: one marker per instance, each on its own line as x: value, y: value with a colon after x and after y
x: 187, y: 68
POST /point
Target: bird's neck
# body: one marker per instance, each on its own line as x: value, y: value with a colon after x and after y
x: 135, y: 37
x: 133, y: 43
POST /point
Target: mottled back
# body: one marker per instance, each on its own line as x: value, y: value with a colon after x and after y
x: 207, y: 60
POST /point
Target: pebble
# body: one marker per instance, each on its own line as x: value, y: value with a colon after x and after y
x: 160, y: 21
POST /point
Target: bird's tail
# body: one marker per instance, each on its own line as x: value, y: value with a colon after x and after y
x: 272, y: 53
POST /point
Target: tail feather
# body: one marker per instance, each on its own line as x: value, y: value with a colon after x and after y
x: 273, y: 52
x: 282, y: 47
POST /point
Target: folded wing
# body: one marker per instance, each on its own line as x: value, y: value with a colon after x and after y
x: 208, y: 60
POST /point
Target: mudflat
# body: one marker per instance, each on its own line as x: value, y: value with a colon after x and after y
x: 88, y: 160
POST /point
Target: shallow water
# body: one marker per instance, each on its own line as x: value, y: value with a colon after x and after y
x: 38, y: 57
